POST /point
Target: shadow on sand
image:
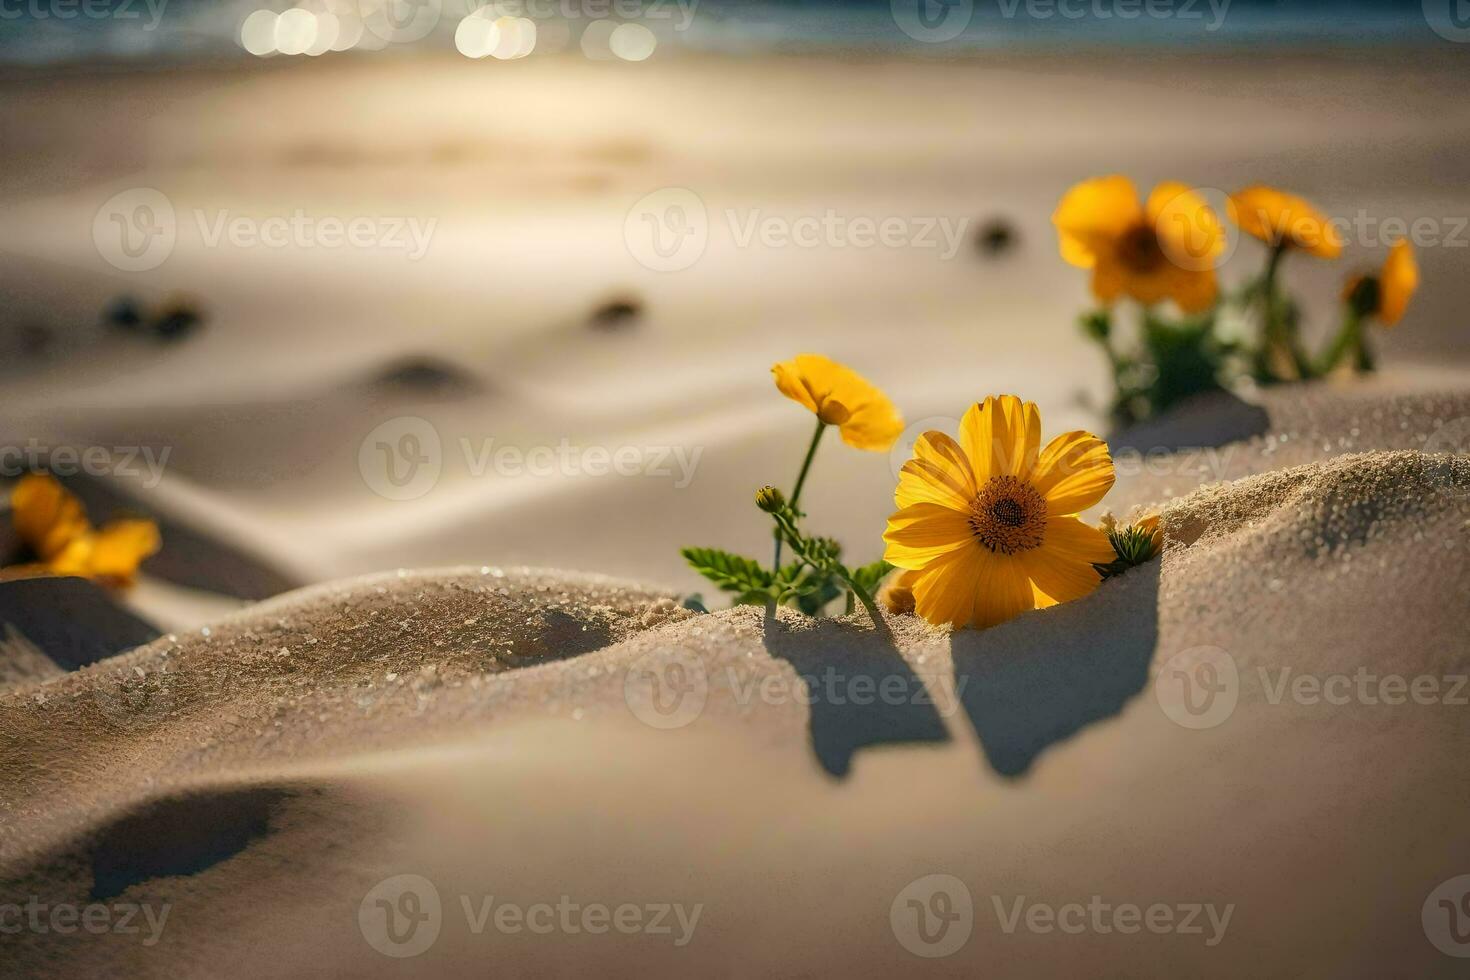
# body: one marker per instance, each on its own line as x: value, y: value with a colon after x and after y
x: 1035, y: 681
x: 864, y: 694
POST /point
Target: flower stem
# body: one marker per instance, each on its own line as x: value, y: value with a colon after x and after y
x: 1349, y: 340
x: 806, y: 465
x: 787, y: 529
x: 1276, y: 348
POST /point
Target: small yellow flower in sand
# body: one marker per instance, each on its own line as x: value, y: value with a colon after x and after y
x: 54, y: 526
x: 988, y: 522
x: 1284, y: 220
x: 1386, y: 296
x: 1166, y: 248
x: 840, y: 396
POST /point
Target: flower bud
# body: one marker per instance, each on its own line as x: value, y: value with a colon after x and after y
x: 769, y: 499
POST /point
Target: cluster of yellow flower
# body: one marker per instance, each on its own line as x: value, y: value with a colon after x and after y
x: 986, y: 526
x: 1169, y: 247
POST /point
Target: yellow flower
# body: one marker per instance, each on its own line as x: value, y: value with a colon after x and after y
x: 1281, y: 219
x: 1165, y: 249
x: 1397, y: 281
x: 53, y: 525
x: 840, y: 396
x: 988, y: 522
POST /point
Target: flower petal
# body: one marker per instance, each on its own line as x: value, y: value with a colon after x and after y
x: 874, y: 425
x: 945, y: 591
x: 1093, y: 213
x: 120, y: 547
x: 1187, y: 228
x: 1073, y: 540
x: 1397, y: 282
x: 1003, y: 591
x: 46, y: 515
x: 1073, y: 473
x: 840, y: 396
x: 1001, y: 437
x: 923, y: 482
x: 793, y: 384
x: 1058, y: 577
x: 920, y: 533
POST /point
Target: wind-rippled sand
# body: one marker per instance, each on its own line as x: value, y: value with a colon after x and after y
x: 537, y: 737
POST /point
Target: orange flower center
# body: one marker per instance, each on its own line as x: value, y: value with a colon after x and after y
x: 1139, y: 249
x: 1008, y: 515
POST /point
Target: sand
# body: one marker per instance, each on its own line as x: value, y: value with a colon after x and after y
x: 492, y: 730
x: 358, y: 688
x: 531, y: 175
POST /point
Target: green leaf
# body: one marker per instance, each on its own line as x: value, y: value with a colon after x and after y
x: 871, y: 576
x: 731, y: 572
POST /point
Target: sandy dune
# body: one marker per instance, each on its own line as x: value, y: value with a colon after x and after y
x: 263, y: 778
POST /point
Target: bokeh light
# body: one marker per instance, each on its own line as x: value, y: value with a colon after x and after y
x: 632, y: 42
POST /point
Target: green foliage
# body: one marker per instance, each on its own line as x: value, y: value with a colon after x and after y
x: 872, y: 575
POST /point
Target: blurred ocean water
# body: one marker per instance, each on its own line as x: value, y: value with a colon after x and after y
x: 58, y: 31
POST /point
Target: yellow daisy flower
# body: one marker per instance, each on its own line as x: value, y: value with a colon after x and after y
x: 840, y: 396
x: 1397, y: 282
x: 54, y: 526
x: 1281, y: 219
x: 988, y: 522
x: 1166, y: 248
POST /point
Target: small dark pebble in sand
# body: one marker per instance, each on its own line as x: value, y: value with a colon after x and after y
x: 617, y: 313
x: 995, y: 237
